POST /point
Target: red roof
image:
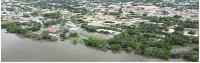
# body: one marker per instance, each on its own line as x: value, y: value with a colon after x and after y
x: 52, y: 30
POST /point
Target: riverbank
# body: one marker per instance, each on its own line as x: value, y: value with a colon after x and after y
x: 25, y: 49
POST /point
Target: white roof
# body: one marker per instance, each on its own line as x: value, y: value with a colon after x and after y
x: 170, y: 31
x: 73, y: 29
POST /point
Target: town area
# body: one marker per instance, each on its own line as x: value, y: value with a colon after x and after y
x: 144, y: 27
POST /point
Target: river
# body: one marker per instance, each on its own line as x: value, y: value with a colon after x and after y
x: 16, y: 49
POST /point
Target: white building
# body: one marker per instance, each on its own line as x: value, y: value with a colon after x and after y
x: 73, y: 29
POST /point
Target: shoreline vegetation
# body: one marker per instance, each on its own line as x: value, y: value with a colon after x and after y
x: 126, y: 41
x: 149, y: 34
x: 140, y: 38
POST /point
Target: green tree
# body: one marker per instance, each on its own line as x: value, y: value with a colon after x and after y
x: 157, y: 52
x: 196, y: 49
x: 191, y: 55
x: 195, y: 39
x: 30, y: 35
x: 177, y: 39
x: 62, y: 35
x: 176, y: 56
x: 65, y: 30
x: 53, y: 38
x: 90, y: 29
x: 116, y: 47
x: 26, y: 15
x: 98, y: 43
x: 191, y: 32
x: 45, y: 35
x: 73, y: 34
x: 54, y: 15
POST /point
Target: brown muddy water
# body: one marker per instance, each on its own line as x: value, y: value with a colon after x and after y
x: 16, y: 49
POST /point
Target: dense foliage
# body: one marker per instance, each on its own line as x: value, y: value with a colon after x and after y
x: 26, y: 15
x: 15, y: 27
x: 104, y: 32
x: 157, y: 52
x: 54, y: 15
x: 96, y: 43
x: 53, y: 22
x: 27, y: 32
x: 191, y: 55
x: 73, y: 34
x: 177, y: 39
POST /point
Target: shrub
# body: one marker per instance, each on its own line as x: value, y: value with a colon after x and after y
x: 73, y: 34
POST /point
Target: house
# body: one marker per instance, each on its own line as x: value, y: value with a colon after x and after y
x: 96, y: 24
x: 110, y: 31
x: 52, y: 30
x: 73, y: 29
x: 24, y: 21
x: 108, y: 24
x: 116, y: 33
x: 70, y: 24
x: 170, y: 31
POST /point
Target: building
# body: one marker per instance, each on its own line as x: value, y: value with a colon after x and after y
x: 170, y: 31
x: 110, y: 31
x: 73, y: 29
x: 52, y: 30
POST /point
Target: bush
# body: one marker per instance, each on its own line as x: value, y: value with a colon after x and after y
x: 195, y: 40
x: 53, y: 38
x: 90, y: 29
x: 157, y: 52
x: 129, y: 49
x: 83, y: 25
x: 98, y: 43
x: 115, y: 47
x: 73, y: 34
x: 196, y: 49
x: 64, y: 38
x: 167, y: 29
x: 49, y: 23
x: 191, y: 32
x: 62, y: 35
x: 175, y: 56
x: 65, y: 30
x: 104, y: 32
x: 54, y: 15
x: 177, y: 39
x: 30, y: 35
x: 191, y: 55
x: 26, y: 15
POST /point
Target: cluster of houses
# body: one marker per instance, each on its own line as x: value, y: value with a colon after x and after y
x: 195, y: 32
x: 99, y: 18
x: 149, y: 10
x: 69, y: 25
x: 55, y: 29
x: 105, y: 17
x: 170, y: 12
x: 130, y: 22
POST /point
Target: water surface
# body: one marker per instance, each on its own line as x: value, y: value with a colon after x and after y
x: 14, y: 48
